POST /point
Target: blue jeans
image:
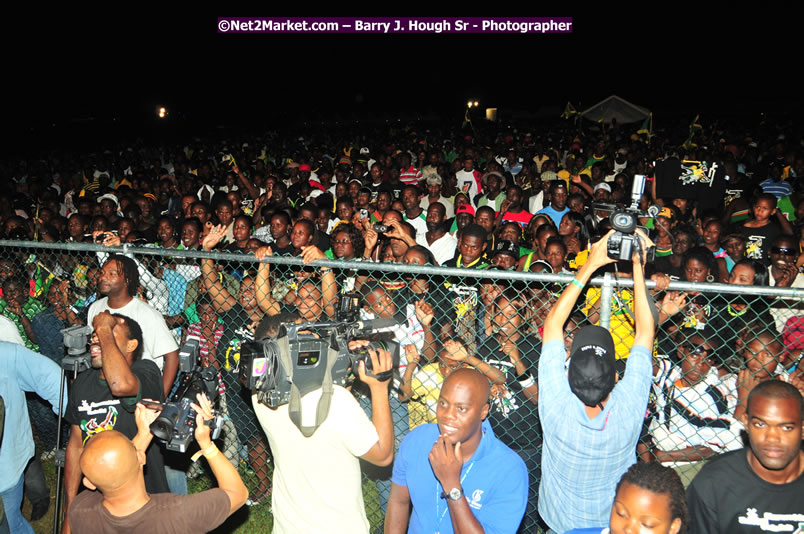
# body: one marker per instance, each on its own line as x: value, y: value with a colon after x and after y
x: 12, y: 500
x: 177, y: 480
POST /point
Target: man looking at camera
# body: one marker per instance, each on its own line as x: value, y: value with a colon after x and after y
x: 104, y: 398
x: 113, y: 464
x: 457, y: 475
x: 317, y: 484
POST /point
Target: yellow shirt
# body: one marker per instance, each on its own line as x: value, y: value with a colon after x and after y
x: 622, y: 321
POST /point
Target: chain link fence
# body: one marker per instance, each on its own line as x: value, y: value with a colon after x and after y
x: 713, y: 342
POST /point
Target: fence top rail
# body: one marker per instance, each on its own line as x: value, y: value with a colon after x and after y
x: 616, y: 282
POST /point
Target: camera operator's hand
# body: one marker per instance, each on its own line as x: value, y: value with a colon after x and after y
x: 144, y: 416
x: 203, y: 413
x: 370, y: 238
x: 108, y: 239
x: 598, y: 254
x: 381, y: 361
x: 395, y: 231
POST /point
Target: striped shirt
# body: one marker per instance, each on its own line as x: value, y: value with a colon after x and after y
x: 410, y: 176
x: 701, y: 414
x: 583, y: 459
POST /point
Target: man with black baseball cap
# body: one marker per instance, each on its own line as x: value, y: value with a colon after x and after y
x: 591, y: 422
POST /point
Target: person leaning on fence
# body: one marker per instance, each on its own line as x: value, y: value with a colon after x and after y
x: 759, y: 488
x: 694, y: 415
x: 591, y: 423
x: 113, y: 465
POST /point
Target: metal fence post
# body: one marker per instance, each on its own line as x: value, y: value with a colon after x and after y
x: 605, y: 300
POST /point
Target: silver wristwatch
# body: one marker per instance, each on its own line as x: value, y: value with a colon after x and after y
x: 454, y: 494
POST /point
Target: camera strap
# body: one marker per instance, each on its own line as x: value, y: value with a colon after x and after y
x: 294, y: 404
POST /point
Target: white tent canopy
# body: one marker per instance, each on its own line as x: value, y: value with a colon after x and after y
x: 615, y: 107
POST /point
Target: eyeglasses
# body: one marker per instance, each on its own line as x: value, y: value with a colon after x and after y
x: 783, y: 250
x: 342, y: 242
x: 695, y: 350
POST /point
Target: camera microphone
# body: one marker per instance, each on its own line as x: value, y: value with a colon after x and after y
x: 376, y: 324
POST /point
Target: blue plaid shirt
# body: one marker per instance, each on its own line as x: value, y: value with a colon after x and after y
x: 583, y: 459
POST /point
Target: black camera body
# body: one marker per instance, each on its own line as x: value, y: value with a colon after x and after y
x: 308, y: 354
x: 622, y: 244
x: 175, y: 425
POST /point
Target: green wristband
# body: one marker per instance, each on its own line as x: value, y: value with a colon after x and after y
x: 577, y: 283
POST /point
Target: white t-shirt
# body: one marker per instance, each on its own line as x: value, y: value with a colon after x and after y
x: 9, y: 331
x: 317, y: 483
x: 443, y: 248
x: 157, y: 339
x: 781, y: 315
x: 418, y: 223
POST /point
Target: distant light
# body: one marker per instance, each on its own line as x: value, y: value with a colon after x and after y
x: 469, y: 104
x: 476, y: 103
x: 162, y: 113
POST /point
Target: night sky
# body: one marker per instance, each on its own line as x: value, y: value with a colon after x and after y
x: 121, y: 66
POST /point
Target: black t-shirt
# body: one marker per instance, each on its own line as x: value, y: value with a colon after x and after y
x: 663, y: 265
x: 728, y: 497
x: 394, y: 189
x: 236, y: 322
x: 514, y: 418
x: 93, y: 408
x: 759, y: 240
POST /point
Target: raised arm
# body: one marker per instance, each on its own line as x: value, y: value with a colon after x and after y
x: 643, y: 315
x: 382, y: 453
x: 245, y: 182
x: 558, y: 315
x: 225, y: 473
x: 222, y: 300
x: 329, y: 287
x: 265, y: 299
x: 116, y: 370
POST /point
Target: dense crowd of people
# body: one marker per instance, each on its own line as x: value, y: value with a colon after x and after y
x: 724, y: 209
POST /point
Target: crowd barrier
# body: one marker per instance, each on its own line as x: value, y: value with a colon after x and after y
x: 721, y: 339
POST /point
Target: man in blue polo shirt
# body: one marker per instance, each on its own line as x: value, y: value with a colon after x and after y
x: 457, y: 474
x: 558, y: 202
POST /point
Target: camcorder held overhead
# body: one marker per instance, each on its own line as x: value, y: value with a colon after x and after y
x: 175, y: 425
x: 310, y: 356
x: 624, y: 241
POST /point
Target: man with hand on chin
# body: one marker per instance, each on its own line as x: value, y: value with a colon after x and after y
x: 468, y: 481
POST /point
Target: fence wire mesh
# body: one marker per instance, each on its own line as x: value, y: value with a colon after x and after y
x: 713, y: 342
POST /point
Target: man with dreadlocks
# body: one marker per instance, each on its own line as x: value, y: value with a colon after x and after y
x: 118, y: 282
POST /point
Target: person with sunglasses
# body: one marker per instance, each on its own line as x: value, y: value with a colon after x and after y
x: 693, y: 407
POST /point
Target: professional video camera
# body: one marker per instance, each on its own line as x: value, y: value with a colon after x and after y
x: 75, y: 341
x: 175, y: 425
x: 311, y: 356
x: 622, y: 243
